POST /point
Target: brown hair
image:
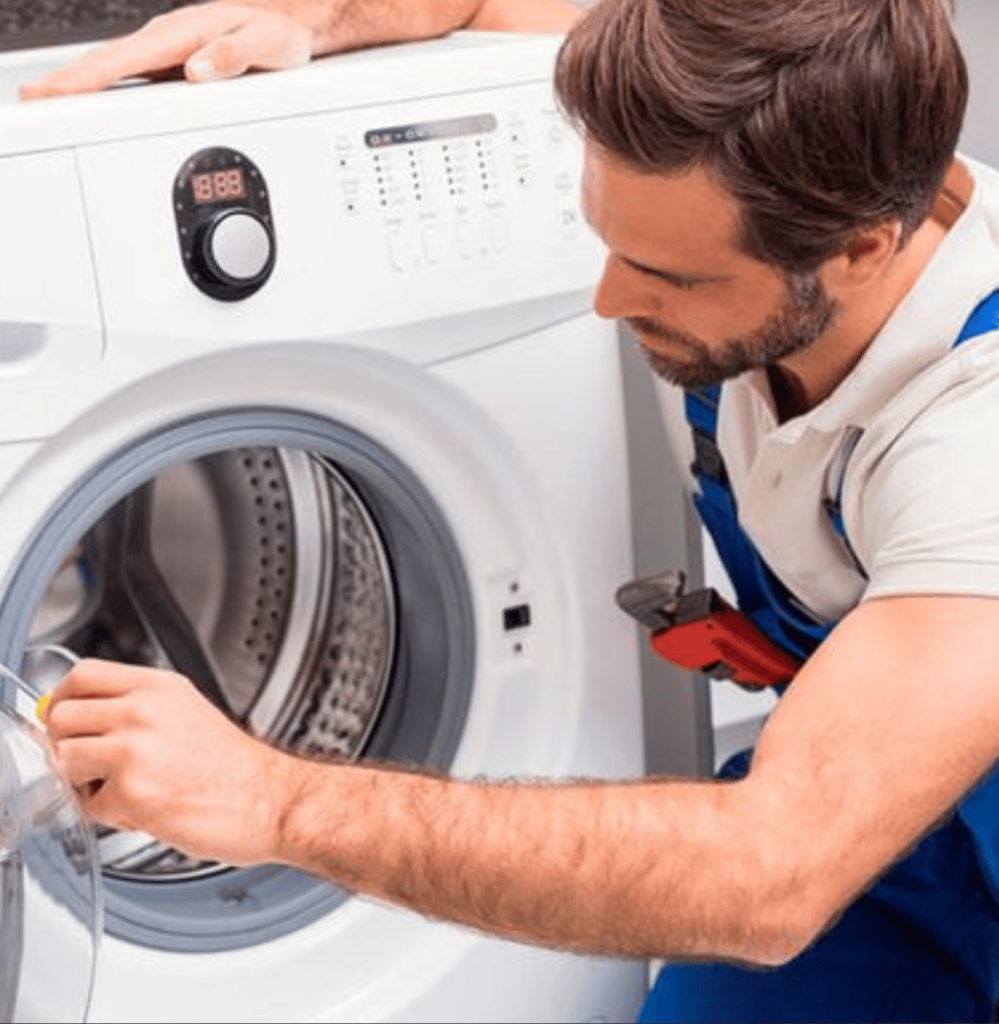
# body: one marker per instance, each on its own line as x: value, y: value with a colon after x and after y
x: 821, y: 117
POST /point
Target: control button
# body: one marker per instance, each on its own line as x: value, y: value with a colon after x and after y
x: 224, y: 227
x: 469, y: 238
x: 568, y: 218
x: 237, y: 247
x: 351, y: 196
x: 433, y: 243
x: 499, y: 232
x: 399, y: 253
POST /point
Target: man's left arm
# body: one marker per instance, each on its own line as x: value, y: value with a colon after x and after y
x: 891, y: 722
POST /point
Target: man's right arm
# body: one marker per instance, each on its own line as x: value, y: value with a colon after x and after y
x: 225, y: 38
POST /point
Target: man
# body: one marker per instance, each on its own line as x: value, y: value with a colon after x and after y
x: 776, y: 185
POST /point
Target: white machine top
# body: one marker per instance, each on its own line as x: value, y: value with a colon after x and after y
x: 362, y: 78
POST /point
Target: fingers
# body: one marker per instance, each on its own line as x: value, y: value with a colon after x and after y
x: 94, y: 678
x: 89, y: 678
x: 146, y: 750
x: 123, y: 735
x: 263, y: 41
x: 94, y: 768
x: 124, y: 703
x: 210, y: 41
x: 99, y: 710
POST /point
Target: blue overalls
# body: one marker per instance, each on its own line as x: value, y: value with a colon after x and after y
x: 922, y: 944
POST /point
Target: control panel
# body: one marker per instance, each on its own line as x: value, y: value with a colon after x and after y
x: 224, y: 223
x: 449, y: 190
x: 348, y: 220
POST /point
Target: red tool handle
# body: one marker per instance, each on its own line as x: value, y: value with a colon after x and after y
x: 726, y: 645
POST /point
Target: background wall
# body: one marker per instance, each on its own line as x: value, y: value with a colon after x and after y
x: 44, y: 22
x: 977, y: 24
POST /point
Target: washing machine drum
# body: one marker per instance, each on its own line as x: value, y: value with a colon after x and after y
x: 50, y: 888
x: 310, y: 586
x: 260, y: 575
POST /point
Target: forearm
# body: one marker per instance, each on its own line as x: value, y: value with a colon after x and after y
x: 525, y: 15
x: 226, y: 38
x: 638, y: 869
x: 351, y: 24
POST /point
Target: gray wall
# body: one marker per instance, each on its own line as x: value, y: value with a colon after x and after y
x: 977, y: 24
x: 678, y: 737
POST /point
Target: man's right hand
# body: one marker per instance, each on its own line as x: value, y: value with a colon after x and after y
x: 219, y: 39
x: 225, y: 38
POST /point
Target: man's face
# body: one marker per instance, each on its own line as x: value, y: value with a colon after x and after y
x: 702, y: 309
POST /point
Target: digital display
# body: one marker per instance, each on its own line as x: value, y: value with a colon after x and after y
x: 429, y: 131
x: 218, y: 186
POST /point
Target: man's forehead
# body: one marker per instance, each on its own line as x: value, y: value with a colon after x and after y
x: 688, y: 209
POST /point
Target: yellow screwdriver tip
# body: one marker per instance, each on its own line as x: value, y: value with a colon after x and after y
x: 43, y: 703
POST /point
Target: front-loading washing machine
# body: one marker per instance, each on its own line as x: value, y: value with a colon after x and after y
x: 301, y: 395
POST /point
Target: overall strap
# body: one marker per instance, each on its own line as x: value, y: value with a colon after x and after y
x: 984, y: 318
x: 760, y: 595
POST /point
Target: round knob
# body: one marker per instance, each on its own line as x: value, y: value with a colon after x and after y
x: 236, y: 251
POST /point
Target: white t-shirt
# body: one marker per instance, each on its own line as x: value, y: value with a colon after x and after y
x: 912, y: 432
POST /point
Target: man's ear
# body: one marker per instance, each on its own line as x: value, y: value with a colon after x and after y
x: 864, y: 261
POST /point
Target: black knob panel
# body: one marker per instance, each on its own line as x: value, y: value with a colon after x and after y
x: 224, y: 223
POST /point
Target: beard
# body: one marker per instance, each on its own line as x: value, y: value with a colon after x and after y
x: 804, y: 315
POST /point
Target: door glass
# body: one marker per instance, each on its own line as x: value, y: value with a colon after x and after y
x: 50, y: 902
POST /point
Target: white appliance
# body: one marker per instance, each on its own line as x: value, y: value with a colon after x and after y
x: 300, y: 393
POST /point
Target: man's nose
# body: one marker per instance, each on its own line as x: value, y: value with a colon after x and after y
x: 619, y: 293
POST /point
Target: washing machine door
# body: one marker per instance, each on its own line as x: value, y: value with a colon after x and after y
x: 50, y: 888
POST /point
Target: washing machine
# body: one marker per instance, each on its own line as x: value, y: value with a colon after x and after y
x: 301, y: 395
